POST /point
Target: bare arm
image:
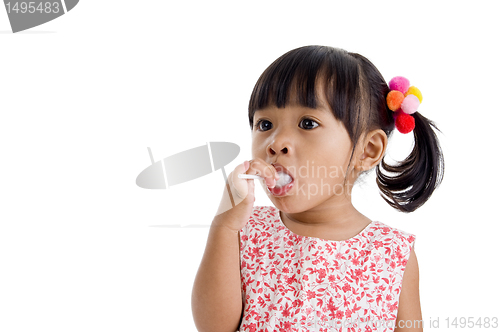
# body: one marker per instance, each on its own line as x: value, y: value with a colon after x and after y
x: 216, y: 298
x: 409, y: 299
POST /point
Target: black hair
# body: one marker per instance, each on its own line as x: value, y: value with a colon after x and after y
x: 356, y: 93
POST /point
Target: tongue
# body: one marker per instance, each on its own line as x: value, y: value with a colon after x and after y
x: 283, y: 180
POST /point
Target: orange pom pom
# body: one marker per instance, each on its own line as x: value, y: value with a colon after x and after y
x: 394, y: 100
x: 414, y: 91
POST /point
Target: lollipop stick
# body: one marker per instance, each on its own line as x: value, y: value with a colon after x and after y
x: 250, y: 176
x: 227, y: 186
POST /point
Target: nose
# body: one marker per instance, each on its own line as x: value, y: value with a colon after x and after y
x: 278, y: 147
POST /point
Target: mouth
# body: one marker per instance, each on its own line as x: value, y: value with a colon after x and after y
x: 285, y: 182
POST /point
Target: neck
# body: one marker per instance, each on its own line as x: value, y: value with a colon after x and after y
x: 330, y: 215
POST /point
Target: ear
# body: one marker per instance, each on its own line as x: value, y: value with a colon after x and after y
x: 372, y: 149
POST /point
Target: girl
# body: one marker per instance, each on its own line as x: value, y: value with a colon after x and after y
x: 320, y: 118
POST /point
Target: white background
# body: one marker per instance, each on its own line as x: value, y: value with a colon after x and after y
x: 83, y: 96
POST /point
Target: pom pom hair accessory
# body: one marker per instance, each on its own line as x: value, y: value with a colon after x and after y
x: 403, y: 100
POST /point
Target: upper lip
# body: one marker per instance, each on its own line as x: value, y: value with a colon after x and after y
x: 281, y: 168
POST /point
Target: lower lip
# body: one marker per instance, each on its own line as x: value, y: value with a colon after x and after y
x: 281, y: 191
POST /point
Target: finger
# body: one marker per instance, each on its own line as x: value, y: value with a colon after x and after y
x: 251, y: 190
x: 267, y: 171
x: 240, y: 186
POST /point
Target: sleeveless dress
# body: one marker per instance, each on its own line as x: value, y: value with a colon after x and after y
x: 294, y: 283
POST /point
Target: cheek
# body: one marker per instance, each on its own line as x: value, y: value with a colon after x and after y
x: 258, y: 147
x: 326, y: 167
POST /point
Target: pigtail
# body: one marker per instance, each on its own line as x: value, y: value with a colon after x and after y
x: 418, y: 175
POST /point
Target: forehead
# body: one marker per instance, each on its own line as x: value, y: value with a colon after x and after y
x: 321, y: 107
x: 299, y: 108
x: 301, y: 96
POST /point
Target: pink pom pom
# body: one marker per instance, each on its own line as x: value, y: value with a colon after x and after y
x: 410, y: 104
x: 399, y: 83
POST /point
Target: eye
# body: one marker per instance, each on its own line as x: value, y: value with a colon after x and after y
x: 263, y: 125
x: 309, y: 124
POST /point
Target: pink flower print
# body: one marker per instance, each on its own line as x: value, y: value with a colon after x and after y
x: 392, y: 266
x: 355, y: 261
x: 297, y: 303
x: 403, y: 262
x: 399, y: 254
x: 377, y: 259
x: 286, y: 312
x: 331, y: 307
x: 310, y: 294
x: 322, y: 273
x: 290, y: 243
x: 339, y: 314
x: 252, y: 327
x: 346, y: 288
x: 285, y: 270
x: 309, y: 310
x: 305, y: 277
x: 392, y: 306
x: 348, y: 313
x: 261, y: 301
x: 255, y: 240
x: 378, y: 244
x: 244, y: 238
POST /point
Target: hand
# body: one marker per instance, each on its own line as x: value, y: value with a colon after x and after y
x: 242, y: 191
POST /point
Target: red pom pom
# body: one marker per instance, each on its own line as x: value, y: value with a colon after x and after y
x: 405, y: 123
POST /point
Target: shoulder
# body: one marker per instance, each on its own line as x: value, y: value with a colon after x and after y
x: 261, y: 220
x: 393, y: 235
x: 263, y: 214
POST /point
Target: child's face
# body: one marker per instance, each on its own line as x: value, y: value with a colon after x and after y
x: 317, y: 153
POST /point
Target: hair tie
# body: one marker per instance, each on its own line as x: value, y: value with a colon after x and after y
x: 403, y: 100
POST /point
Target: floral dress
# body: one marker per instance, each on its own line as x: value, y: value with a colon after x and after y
x: 294, y: 283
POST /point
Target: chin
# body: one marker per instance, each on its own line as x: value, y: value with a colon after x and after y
x: 288, y: 204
